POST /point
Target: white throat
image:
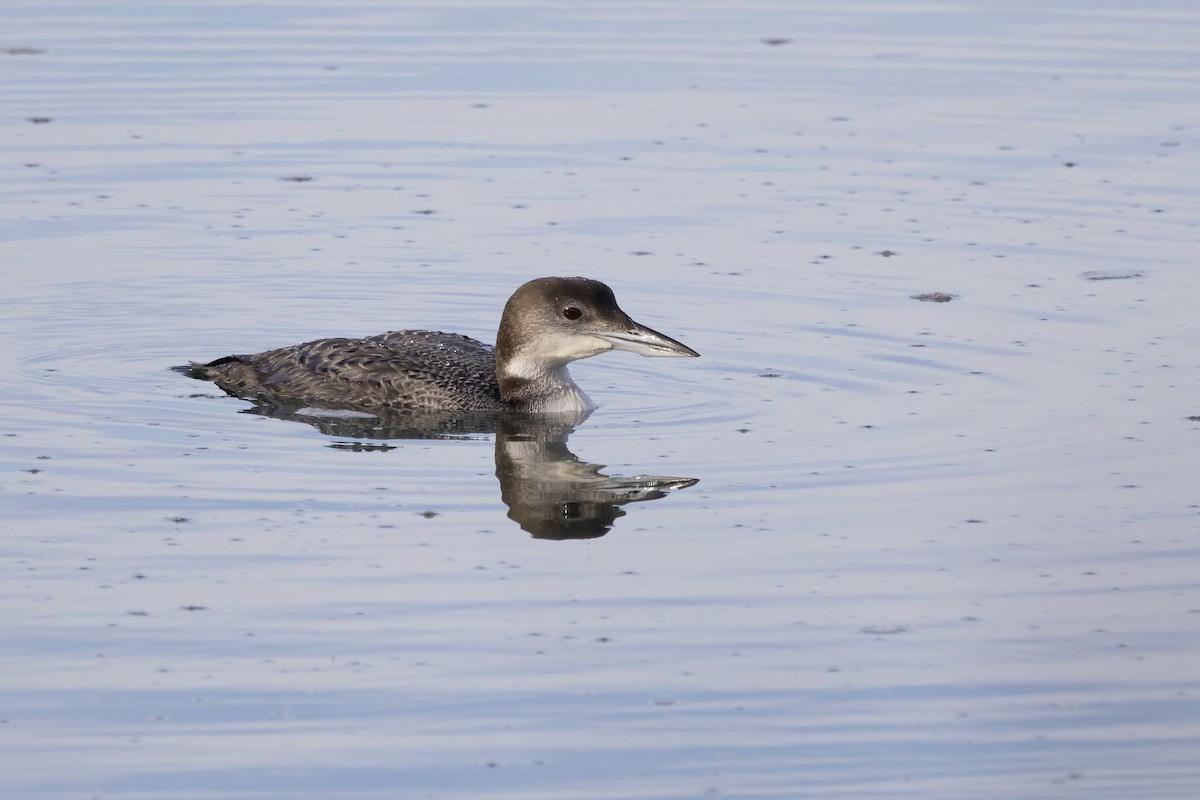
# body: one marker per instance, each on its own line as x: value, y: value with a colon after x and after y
x: 550, y: 390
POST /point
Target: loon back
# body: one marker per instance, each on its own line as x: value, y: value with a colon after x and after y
x: 400, y: 369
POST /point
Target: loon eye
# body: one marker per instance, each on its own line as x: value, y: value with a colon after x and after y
x: 572, y: 313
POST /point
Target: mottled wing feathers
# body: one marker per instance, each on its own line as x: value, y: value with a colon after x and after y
x: 400, y: 369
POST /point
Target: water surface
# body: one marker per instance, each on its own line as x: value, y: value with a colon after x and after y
x: 932, y: 550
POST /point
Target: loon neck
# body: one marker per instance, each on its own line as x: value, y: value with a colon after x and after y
x: 534, y: 387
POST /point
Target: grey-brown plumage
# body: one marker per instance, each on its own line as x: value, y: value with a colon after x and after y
x: 400, y: 369
x: 546, y: 324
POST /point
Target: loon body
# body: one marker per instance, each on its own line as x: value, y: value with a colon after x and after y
x: 546, y: 324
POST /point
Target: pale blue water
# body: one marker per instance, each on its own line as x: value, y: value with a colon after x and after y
x: 935, y: 550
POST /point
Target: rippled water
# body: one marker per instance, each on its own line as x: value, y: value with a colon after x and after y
x: 933, y: 550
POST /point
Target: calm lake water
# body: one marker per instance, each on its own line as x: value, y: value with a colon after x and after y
x: 867, y: 546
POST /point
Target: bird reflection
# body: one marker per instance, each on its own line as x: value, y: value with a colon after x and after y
x: 552, y: 494
x: 549, y: 492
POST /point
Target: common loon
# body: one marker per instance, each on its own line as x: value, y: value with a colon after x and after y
x: 546, y: 324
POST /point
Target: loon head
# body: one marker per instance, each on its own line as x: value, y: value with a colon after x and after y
x: 550, y: 322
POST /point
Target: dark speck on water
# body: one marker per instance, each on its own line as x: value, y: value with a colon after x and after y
x: 1111, y: 275
x: 884, y: 630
